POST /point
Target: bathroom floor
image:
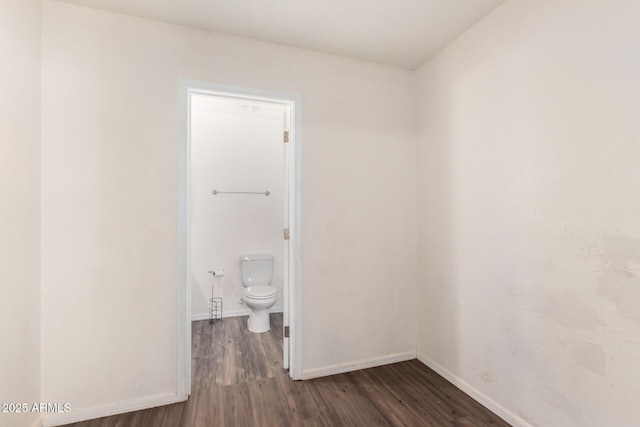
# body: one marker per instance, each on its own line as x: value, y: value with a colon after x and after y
x: 238, y: 380
x: 226, y: 353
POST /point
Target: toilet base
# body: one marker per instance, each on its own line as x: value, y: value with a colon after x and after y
x: 258, y: 321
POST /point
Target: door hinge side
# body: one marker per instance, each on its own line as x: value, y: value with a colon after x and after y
x: 286, y: 332
x: 286, y: 136
x: 286, y: 234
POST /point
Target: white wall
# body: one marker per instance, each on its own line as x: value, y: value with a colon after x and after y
x: 20, y: 207
x: 110, y: 144
x: 236, y: 145
x: 529, y: 228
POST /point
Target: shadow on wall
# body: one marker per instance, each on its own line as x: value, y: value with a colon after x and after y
x: 197, y: 291
x: 619, y: 278
x: 438, y: 329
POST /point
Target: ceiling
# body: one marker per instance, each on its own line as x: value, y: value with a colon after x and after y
x: 403, y: 33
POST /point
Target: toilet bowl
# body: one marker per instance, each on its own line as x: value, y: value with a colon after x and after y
x: 259, y: 299
x: 258, y: 295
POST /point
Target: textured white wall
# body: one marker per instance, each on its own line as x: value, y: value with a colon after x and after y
x: 235, y: 146
x: 529, y: 231
x: 109, y: 236
x: 20, y: 207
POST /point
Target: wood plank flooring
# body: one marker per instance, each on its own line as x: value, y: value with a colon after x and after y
x: 238, y: 380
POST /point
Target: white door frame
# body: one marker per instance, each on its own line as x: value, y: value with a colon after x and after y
x: 183, y: 297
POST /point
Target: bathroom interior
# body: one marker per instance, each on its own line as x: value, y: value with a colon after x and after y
x: 236, y: 216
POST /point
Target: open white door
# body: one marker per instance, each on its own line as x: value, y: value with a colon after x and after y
x: 286, y: 252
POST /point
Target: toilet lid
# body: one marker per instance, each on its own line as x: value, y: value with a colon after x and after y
x: 260, y: 291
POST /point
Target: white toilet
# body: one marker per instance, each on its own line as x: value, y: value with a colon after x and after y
x: 256, y: 272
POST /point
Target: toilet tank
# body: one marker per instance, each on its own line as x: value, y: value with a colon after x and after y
x: 256, y: 269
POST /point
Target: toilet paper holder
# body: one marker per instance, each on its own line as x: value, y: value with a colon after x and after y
x: 215, y: 303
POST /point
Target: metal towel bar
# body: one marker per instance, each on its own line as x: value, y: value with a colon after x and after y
x: 215, y: 192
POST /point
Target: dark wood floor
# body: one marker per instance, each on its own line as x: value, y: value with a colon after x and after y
x: 238, y: 380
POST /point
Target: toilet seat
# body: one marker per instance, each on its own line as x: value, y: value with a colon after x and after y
x: 260, y: 291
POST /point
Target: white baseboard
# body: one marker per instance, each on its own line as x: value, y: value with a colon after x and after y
x: 475, y: 394
x: 232, y: 313
x: 100, y: 411
x: 357, y: 365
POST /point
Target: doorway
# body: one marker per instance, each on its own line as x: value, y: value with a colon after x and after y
x: 233, y: 108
